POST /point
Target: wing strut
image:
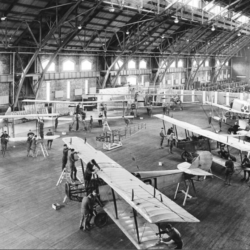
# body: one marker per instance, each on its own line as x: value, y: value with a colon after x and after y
x: 114, y: 199
x: 136, y: 225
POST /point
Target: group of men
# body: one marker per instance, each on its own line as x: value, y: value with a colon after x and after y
x: 171, y: 138
x: 32, y: 141
x: 89, y: 201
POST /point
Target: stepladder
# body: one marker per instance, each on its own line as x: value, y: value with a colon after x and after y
x: 42, y: 148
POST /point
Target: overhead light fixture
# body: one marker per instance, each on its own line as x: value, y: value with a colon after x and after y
x: 127, y: 32
x: 176, y: 20
x: 79, y: 27
x: 213, y: 28
x: 239, y: 34
x: 112, y: 9
x: 162, y: 36
x: 3, y: 18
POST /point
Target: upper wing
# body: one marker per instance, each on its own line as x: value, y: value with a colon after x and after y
x: 29, y: 116
x: 72, y: 102
x: 154, y: 206
x: 233, y: 142
x: 18, y: 139
x: 226, y: 108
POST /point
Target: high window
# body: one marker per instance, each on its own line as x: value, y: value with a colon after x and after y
x: 52, y: 67
x: 172, y: 65
x: 118, y: 64
x: 86, y: 65
x: 131, y: 64
x: 68, y: 65
x: 180, y: 64
x: 143, y: 64
x: 206, y: 63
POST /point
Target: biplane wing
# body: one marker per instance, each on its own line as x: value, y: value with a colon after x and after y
x: 28, y: 116
x: 94, y: 118
x: 232, y: 110
x: 227, y: 140
x: 152, y: 205
x: 19, y: 139
x: 72, y: 102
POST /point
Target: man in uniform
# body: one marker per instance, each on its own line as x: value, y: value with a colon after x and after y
x: 72, y: 160
x: 174, y: 235
x: 162, y: 135
x: 229, y: 171
x: 87, y: 210
x: 245, y: 165
x: 65, y: 156
x: 49, y: 142
x: 89, y: 170
x: 4, y: 141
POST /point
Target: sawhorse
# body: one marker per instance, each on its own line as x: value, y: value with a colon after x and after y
x: 185, y: 192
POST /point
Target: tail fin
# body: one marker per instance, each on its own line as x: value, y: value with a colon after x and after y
x: 203, y: 161
x: 8, y: 112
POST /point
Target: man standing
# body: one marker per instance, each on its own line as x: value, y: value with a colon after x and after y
x: 169, y: 132
x: 78, y: 108
x: 33, y: 145
x: 4, y: 141
x: 162, y: 136
x: 246, y: 165
x: 100, y: 120
x: 28, y: 142
x: 171, y: 139
x: 89, y: 170
x: 173, y: 235
x: 72, y: 160
x: 65, y: 156
x: 49, y: 142
x: 90, y: 123
x: 229, y: 171
x: 105, y: 110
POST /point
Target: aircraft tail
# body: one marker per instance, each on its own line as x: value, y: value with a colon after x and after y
x: 8, y: 112
x: 203, y: 161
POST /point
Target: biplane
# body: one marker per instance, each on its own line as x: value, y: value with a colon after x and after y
x: 138, y: 209
x: 197, y: 138
x: 240, y: 110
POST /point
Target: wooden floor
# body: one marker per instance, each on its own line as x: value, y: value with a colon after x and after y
x: 28, y: 189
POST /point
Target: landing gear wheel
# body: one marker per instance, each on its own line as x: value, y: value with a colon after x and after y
x: 186, y: 155
x: 101, y: 219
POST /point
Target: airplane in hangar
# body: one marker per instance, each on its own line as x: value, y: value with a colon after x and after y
x: 240, y: 109
x: 197, y: 138
x: 123, y: 193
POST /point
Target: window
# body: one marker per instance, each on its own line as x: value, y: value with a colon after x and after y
x: 86, y: 65
x: 206, y: 63
x: 180, y: 64
x: 217, y: 63
x: 118, y: 64
x: 143, y: 64
x: 68, y: 66
x: 172, y: 65
x: 52, y: 67
x: 163, y: 64
x: 226, y: 63
x: 194, y: 3
x: 131, y: 64
x: 194, y: 64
